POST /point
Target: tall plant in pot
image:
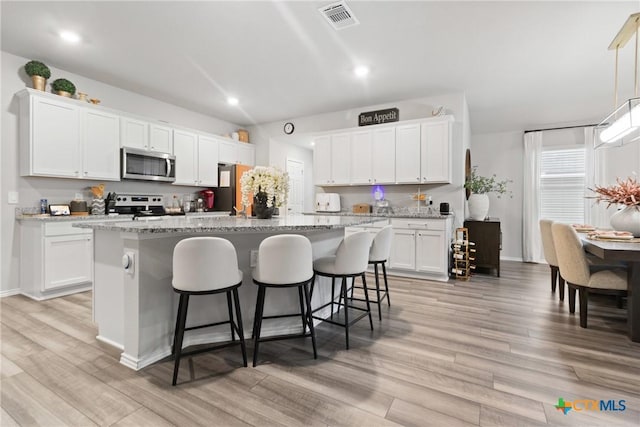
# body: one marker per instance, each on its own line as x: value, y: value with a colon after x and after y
x: 39, y: 74
x: 480, y: 186
x: 63, y: 87
x: 625, y: 193
x: 269, y: 187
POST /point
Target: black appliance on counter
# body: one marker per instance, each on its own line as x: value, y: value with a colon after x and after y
x: 139, y: 205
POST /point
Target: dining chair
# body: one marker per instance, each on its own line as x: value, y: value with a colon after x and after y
x: 574, y: 268
x: 551, y: 257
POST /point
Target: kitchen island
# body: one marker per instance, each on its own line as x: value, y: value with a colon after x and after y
x: 134, y: 305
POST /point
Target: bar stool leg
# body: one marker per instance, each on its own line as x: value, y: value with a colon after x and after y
x: 179, y: 334
x: 366, y: 297
x: 333, y: 298
x: 236, y: 300
x: 343, y: 290
x: 375, y: 267
x: 310, y: 320
x: 302, y: 311
x: 233, y: 335
x: 386, y: 285
x: 258, y: 323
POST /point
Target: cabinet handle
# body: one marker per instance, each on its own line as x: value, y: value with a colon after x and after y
x: 77, y: 172
x: 86, y: 173
x: 418, y: 179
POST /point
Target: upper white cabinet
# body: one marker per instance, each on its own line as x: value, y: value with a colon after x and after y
x: 332, y: 159
x: 145, y: 136
x: 59, y: 138
x: 236, y: 153
x: 408, y: 153
x: 435, y: 149
x: 361, y: 157
x: 196, y: 159
x: 384, y: 155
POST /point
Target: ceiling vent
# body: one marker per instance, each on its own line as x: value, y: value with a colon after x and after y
x: 339, y: 15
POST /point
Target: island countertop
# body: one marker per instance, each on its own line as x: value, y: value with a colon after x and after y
x: 229, y: 224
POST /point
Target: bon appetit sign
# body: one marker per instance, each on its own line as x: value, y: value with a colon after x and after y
x: 379, y: 117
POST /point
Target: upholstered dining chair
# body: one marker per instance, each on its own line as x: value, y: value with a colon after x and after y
x: 574, y: 268
x: 551, y: 257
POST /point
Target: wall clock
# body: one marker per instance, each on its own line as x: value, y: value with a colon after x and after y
x: 288, y: 128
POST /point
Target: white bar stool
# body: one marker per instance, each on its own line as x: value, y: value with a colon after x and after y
x: 350, y: 261
x: 284, y: 261
x: 194, y: 261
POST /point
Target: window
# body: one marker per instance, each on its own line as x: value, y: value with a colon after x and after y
x: 562, y: 184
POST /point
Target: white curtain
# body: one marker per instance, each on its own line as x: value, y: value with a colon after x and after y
x: 531, y: 240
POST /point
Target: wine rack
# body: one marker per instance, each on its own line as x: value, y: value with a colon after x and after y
x: 463, y: 255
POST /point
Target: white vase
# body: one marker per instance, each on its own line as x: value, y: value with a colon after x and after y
x: 627, y: 219
x: 478, y: 206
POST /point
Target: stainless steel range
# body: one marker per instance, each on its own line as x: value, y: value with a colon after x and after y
x: 138, y: 204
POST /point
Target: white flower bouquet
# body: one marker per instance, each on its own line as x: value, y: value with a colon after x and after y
x: 267, y: 183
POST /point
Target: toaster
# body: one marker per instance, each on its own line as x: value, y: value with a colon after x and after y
x: 327, y: 202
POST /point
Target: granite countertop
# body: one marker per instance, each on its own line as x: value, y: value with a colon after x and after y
x: 396, y: 214
x: 72, y: 218
x: 218, y: 224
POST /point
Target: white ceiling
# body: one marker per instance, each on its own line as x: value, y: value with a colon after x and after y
x: 521, y: 64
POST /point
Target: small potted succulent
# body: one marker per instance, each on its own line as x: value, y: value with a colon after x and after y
x: 39, y: 74
x: 63, y: 87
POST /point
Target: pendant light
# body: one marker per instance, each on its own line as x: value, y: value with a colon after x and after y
x: 623, y: 125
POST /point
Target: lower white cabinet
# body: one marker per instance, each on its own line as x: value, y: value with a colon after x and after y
x: 55, y: 259
x: 403, y: 250
x: 430, y: 256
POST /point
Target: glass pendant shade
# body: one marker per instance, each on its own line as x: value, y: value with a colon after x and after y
x: 621, y: 126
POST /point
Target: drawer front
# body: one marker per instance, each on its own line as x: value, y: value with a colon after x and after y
x: 63, y: 229
x: 419, y: 224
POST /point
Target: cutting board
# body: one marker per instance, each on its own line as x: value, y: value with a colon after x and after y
x: 361, y: 208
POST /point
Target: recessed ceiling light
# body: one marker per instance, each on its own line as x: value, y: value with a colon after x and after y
x: 313, y: 143
x: 361, y: 71
x: 232, y: 101
x: 70, y: 37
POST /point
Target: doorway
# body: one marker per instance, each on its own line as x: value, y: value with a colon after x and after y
x: 295, y: 169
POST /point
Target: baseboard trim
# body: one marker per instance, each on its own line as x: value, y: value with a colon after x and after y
x: 10, y: 292
x: 110, y: 342
x: 510, y: 258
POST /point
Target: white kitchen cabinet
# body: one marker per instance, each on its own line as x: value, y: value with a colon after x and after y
x: 236, y: 153
x: 58, y: 138
x: 361, y: 157
x: 403, y: 249
x: 55, y: 259
x: 134, y: 133
x: 407, y: 154
x: 435, y: 146
x: 196, y: 159
x: 383, y: 155
x: 340, y: 158
x: 322, y: 160
x: 100, y: 147
x: 431, y: 251
x: 227, y: 152
x: 160, y: 138
x: 246, y: 154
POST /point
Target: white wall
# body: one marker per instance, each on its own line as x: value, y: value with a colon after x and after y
x: 32, y: 189
x: 398, y: 195
x: 280, y: 151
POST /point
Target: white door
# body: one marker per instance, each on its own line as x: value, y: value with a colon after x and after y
x: 161, y: 138
x: 436, y: 152
x: 134, y: 133
x: 361, y: 157
x: 403, y: 250
x: 68, y: 261
x: 408, y: 154
x: 431, y: 252
x: 384, y: 155
x: 185, y: 148
x: 322, y: 160
x: 101, y: 148
x: 340, y: 158
x: 207, y: 162
x: 295, y: 169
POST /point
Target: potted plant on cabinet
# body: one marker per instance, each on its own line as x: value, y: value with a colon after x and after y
x: 63, y: 87
x: 39, y: 74
x: 480, y: 186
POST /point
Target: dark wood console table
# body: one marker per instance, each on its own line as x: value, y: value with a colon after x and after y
x: 488, y: 239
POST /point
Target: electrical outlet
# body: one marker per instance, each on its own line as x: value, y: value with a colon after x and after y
x: 78, y: 196
x: 13, y: 198
x: 254, y: 258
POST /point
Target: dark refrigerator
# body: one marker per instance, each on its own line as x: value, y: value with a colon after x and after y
x: 228, y: 194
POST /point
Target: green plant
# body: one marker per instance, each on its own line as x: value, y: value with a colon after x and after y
x: 479, y: 184
x: 37, y: 68
x: 63, y: 85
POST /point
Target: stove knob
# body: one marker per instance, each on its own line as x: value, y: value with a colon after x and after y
x: 124, y: 199
x: 119, y: 198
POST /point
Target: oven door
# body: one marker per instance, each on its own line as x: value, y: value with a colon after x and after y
x: 148, y: 165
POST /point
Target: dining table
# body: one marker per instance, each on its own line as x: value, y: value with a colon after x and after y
x: 629, y: 252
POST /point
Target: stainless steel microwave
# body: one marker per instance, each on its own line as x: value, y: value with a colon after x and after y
x: 148, y: 165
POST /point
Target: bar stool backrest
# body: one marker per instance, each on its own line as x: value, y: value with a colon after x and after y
x: 205, y: 264
x: 284, y: 259
x: 381, y: 247
x: 572, y: 259
x: 352, y: 256
x: 548, y: 246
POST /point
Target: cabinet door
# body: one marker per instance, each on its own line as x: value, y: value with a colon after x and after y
x: 185, y: 147
x: 408, y: 154
x: 68, y: 261
x: 340, y: 158
x: 246, y: 154
x: 384, y: 155
x: 134, y: 133
x: 161, y: 138
x: 55, y: 146
x: 403, y: 250
x: 361, y: 157
x: 322, y: 160
x: 431, y: 252
x: 227, y: 152
x: 436, y: 152
x: 101, y: 146
x: 207, y: 162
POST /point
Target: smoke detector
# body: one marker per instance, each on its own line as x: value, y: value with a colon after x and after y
x: 339, y: 15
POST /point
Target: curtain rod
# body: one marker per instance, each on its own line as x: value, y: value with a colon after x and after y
x: 559, y: 128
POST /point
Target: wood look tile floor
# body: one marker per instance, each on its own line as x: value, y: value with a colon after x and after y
x: 491, y: 351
